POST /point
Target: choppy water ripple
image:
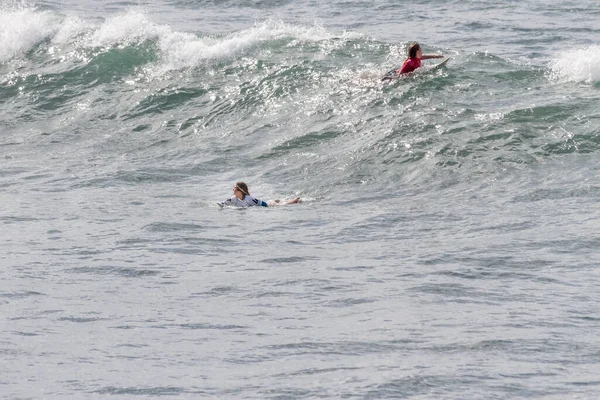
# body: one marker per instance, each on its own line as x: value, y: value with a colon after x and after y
x: 446, y: 245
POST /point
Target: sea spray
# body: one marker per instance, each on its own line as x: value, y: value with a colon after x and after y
x: 579, y: 65
x: 23, y: 29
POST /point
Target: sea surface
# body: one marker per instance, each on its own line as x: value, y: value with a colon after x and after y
x: 448, y: 241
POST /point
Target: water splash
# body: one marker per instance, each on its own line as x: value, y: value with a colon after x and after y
x: 580, y: 65
x: 23, y: 28
x: 71, y: 29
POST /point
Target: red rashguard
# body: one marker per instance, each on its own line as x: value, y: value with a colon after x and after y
x: 410, y: 65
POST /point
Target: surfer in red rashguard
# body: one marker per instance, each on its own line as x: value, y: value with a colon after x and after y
x: 415, y: 55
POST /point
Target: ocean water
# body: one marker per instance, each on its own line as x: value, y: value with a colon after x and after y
x: 447, y: 244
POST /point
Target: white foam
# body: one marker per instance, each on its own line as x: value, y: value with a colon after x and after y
x: 21, y: 29
x: 70, y: 29
x: 579, y: 65
x: 132, y: 26
x: 185, y: 50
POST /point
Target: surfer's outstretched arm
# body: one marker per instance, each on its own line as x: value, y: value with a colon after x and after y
x: 284, y: 203
x: 429, y: 56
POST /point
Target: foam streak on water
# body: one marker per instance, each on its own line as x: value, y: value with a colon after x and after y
x: 446, y: 246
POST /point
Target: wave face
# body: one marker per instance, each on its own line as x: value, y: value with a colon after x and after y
x: 290, y: 91
x: 447, y: 241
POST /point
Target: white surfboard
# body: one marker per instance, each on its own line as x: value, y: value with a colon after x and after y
x: 441, y: 64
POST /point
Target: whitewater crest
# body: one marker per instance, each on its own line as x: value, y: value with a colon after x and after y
x: 25, y: 28
x: 579, y: 65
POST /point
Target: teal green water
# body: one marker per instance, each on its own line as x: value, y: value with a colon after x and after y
x: 446, y: 245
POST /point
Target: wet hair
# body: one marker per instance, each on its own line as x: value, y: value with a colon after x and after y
x: 412, y: 50
x: 242, y: 187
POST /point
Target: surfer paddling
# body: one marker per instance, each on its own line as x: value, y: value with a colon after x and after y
x: 241, y: 198
x: 412, y: 62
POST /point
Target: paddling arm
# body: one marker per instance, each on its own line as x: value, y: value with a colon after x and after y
x: 430, y: 56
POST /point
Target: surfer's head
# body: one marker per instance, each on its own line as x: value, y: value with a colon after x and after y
x: 242, y: 188
x: 413, y: 49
